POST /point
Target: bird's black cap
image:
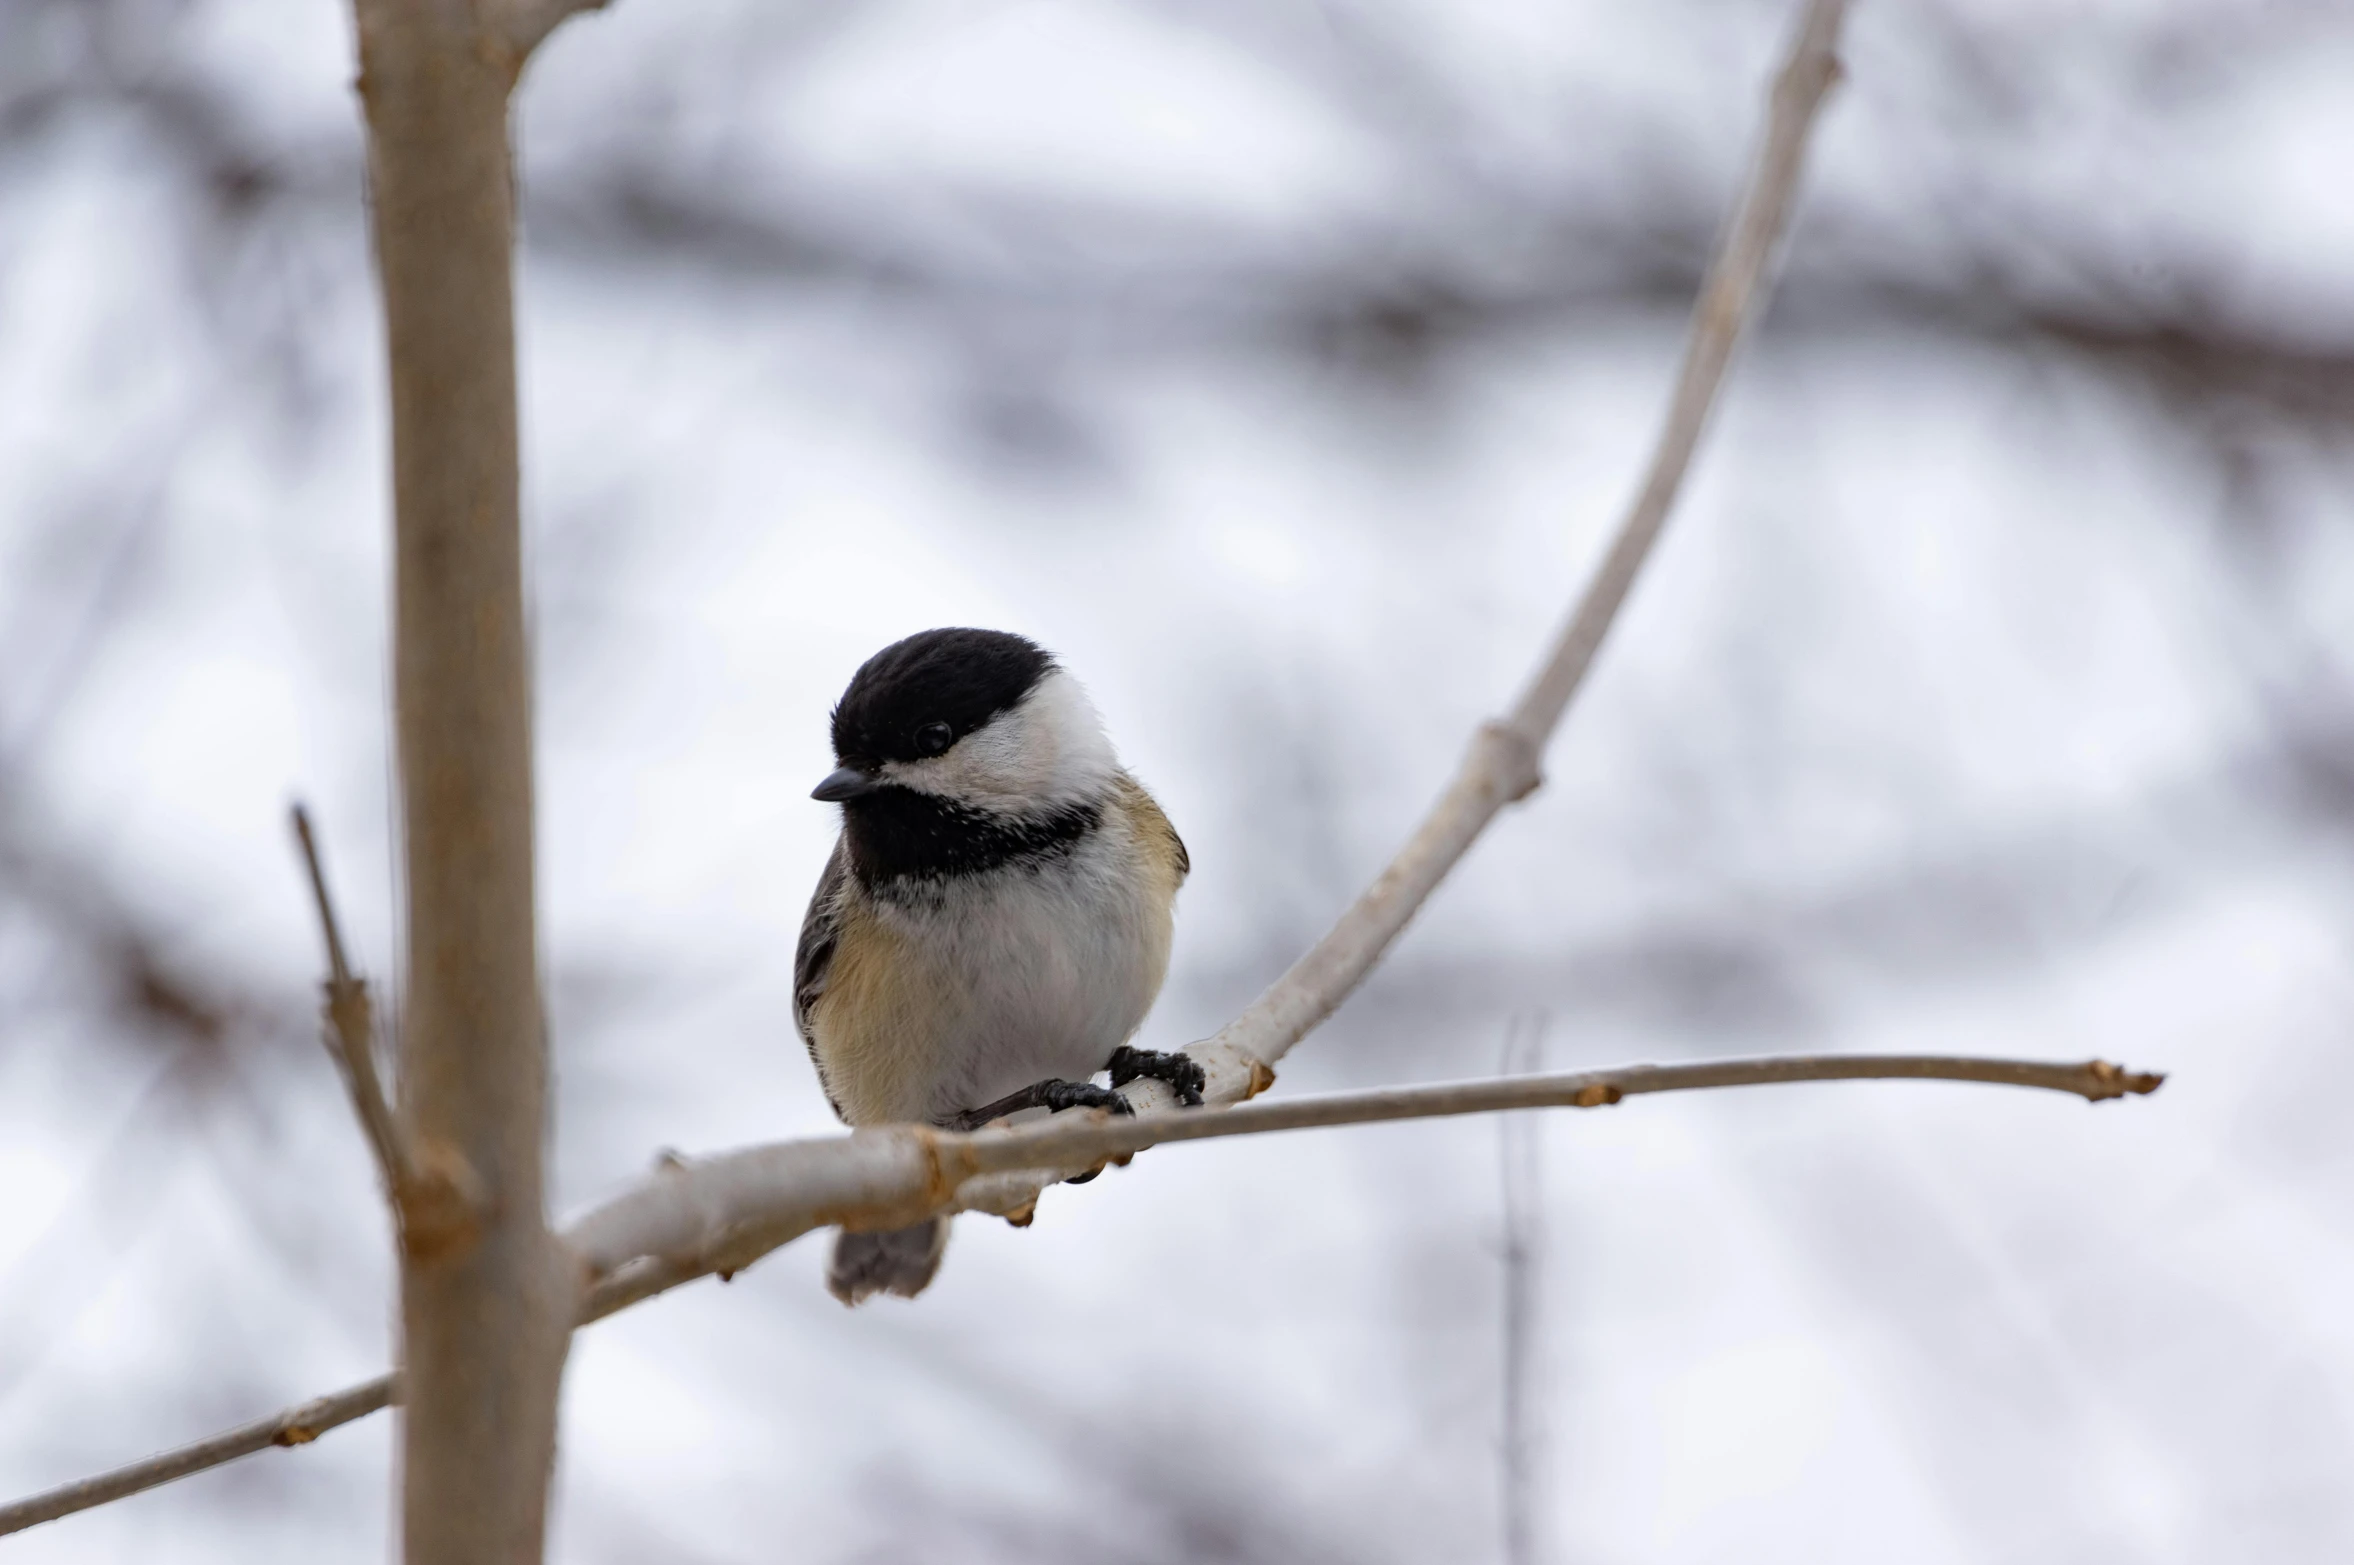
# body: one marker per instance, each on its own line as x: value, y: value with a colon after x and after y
x: 959, y: 677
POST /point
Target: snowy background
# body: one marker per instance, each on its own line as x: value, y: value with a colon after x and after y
x: 1280, y: 364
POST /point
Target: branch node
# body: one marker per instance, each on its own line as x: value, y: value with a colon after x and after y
x: 442, y: 1204
x: 1598, y: 1096
x: 2114, y: 1081
x: 523, y: 25
x: 1510, y: 759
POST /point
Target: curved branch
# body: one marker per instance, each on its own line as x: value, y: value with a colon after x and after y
x: 721, y: 1214
x: 1502, y: 765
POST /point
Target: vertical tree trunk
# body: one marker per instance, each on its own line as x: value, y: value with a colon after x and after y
x: 486, y: 1304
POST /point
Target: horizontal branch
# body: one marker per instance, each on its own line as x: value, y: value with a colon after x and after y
x: 1102, y: 1137
x: 296, y: 1426
x: 720, y: 1214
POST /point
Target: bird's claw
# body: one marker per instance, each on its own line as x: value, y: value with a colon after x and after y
x: 1184, y: 1077
x: 1054, y: 1096
x: 1060, y: 1095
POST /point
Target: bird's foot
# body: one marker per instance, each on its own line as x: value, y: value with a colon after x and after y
x: 1184, y: 1077
x: 1055, y: 1095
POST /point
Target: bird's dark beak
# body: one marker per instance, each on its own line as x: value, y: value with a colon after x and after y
x: 846, y: 782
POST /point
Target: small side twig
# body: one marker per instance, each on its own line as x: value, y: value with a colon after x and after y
x: 349, y: 1032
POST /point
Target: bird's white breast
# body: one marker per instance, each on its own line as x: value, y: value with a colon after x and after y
x: 1038, y: 970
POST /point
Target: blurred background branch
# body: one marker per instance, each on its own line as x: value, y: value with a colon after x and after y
x: 1521, y: 1461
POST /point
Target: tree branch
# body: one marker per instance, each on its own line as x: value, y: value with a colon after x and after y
x: 721, y: 1214
x: 296, y: 1426
x: 487, y: 1293
x: 1502, y: 766
x: 349, y: 1032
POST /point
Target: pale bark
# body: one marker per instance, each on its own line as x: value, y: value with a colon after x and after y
x: 720, y: 1214
x: 487, y: 1293
x: 1502, y: 764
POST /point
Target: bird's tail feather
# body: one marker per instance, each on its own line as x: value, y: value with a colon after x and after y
x: 897, y: 1260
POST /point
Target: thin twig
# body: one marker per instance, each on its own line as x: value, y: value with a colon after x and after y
x: 723, y: 1213
x: 1732, y: 295
x: 1070, y: 1141
x: 349, y: 1031
x: 296, y: 1426
x: 1502, y: 765
x: 1522, y: 1174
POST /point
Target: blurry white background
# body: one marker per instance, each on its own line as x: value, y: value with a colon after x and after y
x: 1279, y: 363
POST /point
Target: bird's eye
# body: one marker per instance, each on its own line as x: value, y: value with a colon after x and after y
x: 934, y: 738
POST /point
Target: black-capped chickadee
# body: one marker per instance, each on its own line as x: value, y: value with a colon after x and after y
x: 995, y: 919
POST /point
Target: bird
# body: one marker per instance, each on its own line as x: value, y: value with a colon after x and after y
x: 996, y: 916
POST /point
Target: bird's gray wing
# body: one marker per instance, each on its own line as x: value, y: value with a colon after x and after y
x: 813, y: 958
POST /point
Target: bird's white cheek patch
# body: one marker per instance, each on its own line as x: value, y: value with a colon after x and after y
x: 1049, y: 750
x: 1000, y: 767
